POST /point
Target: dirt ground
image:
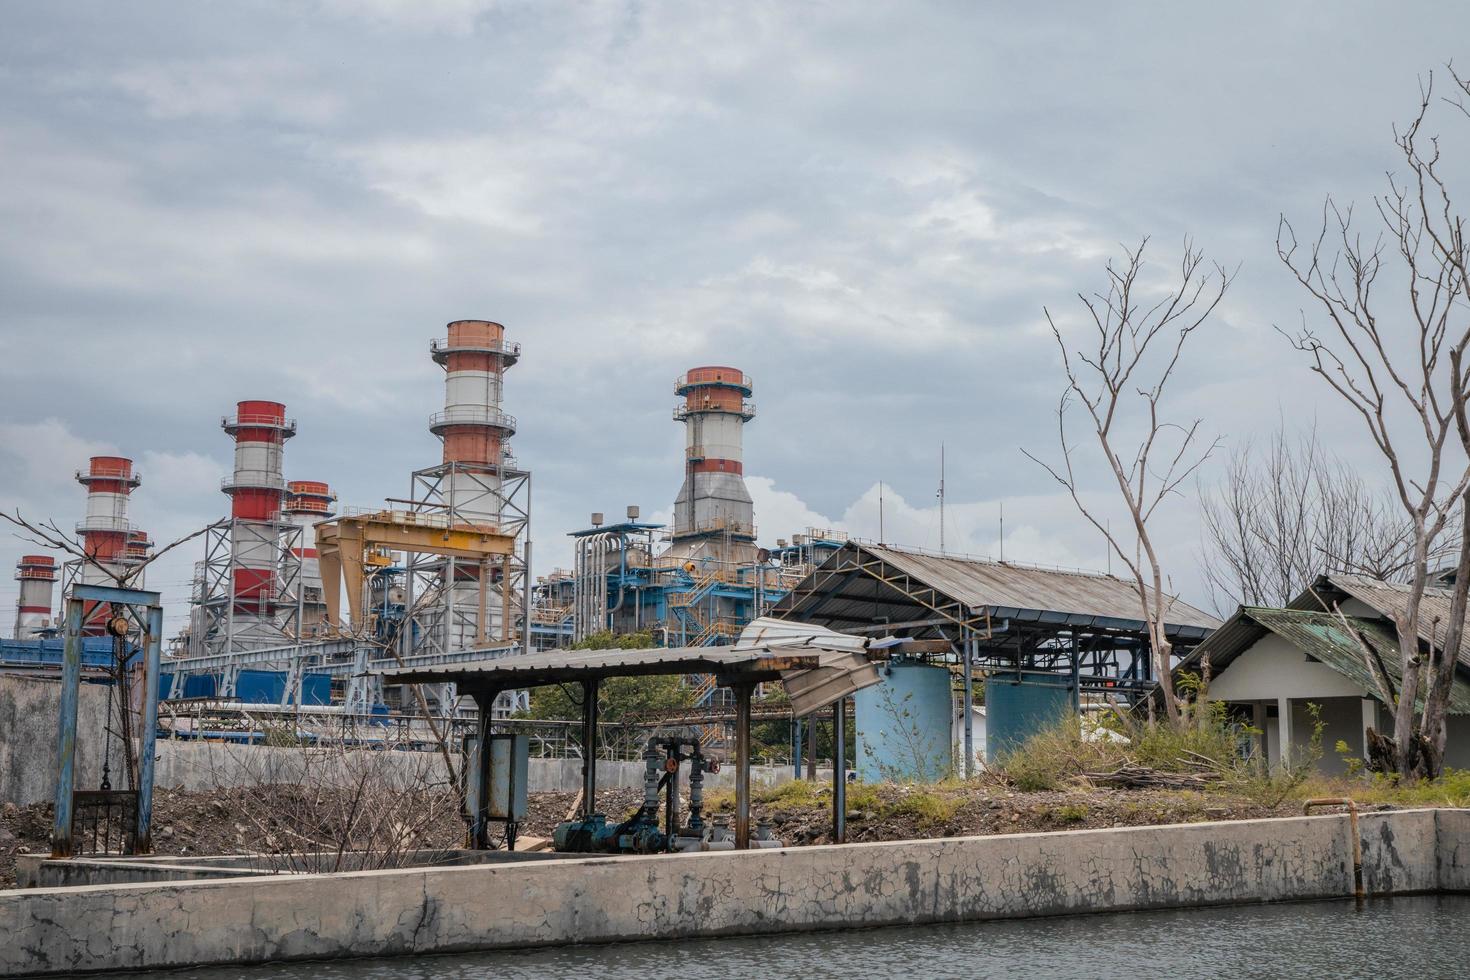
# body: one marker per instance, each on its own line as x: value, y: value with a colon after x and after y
x: 188, y: 823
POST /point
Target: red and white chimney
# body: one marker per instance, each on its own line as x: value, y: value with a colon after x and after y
x: 37, y: 577
x: 713, y: 514
x: 257, y: 491
x: 475, y: 432
x: 307, y: 502
x: 110, y: 482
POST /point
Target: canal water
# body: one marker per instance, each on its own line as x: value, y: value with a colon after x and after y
x: 1419, y: 937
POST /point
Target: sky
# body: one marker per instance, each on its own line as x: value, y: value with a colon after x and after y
x: 866, y: 207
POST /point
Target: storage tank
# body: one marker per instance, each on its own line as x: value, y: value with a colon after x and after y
x: 903, y: 724
x: 1016, y: 711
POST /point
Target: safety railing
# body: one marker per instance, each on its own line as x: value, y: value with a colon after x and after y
x: 746, y: 410
x: 442, y: 347
x: 473, y: 416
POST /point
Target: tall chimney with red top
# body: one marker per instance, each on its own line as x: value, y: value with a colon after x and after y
x: 104, y: 532
x: 307, y: 502
x: 37, y: 577
x: 257, y: 491
x: 713, y: 514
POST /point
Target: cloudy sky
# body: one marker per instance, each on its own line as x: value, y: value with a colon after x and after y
x: 864, y: 206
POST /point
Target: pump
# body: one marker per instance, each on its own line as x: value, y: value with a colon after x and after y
x: 663, y: 758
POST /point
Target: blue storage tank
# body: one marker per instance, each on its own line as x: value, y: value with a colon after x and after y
x: 1016, y: 711
x: 903, y: 724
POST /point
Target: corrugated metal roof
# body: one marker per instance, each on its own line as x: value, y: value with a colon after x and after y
x: 551, y: 666
x: 1389, y: 599
x: 1321, y: 635
x: 1007, y: 588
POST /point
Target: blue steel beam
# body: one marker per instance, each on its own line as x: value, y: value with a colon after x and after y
x: 66, y: 730
x: 153, y: 653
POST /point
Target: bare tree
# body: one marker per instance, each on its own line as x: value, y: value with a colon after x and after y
x: 1400, y: 366
x: 1120, y: 380
x: 1287, y: 511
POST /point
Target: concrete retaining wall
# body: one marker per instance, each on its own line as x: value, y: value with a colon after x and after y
x: 194, y: 765
x: 724, y: 893
x: 28, y: 707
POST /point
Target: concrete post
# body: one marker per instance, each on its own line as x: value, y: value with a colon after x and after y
x: 1283, y: 730
x: 66, y: 730
x: 1370, y: 720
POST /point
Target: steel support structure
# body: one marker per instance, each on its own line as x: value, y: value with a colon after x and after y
x: 438, y: 624
x: 144, y: 615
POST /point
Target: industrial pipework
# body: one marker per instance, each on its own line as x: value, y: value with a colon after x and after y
x: 37, y: 577
x: 641, y: 833
x: 713, y: 514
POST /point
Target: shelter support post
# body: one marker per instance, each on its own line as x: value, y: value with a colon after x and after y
x: 811, y: 749
x: 796, y: 746
x: 66, y: 731
x: 480, y: 827
x: 839, y: 771
x: 589, y: 747
x: 742, y: 765
x: 967, y: 658
x: 148, y: 734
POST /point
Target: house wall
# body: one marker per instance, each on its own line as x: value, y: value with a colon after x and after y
x: 1272, y: 668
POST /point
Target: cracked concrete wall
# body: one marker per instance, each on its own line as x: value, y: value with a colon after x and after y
x: 601, y: 899
x: 28, y: 707
x: 194, y: 765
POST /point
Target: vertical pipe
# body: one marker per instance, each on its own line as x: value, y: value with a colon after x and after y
x: 796, y: 748
x: 967, y: 648
x: 66, y: 731
x: 811, y: 749
x: 839, y: 771
x: 505, y: 599
x: 480, y: 620
x: 526, y: 598
x: 589, y: 747
x: 742, y: 765
x: 153, y: 654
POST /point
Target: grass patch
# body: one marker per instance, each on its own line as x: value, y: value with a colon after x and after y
x: 1070, y: 813
x: 927, y: 807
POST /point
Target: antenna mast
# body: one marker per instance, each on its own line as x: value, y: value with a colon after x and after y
x: 1002, y: 530
x: 880, y: 511
x: 941, y: 498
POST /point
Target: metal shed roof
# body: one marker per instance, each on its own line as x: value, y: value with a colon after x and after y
x: 1387, y: 599
x: 553, y: 666
x: 997, y: 589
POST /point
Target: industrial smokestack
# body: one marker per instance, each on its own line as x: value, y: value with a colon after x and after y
x: 307, y: 502
x: 37, y: 577
x: 475, y: 356
x: 713, y: 514
x: 256, y: 490
x: 110, y: 482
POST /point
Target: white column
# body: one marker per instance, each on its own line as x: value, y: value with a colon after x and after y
x: 1283, y: 729
x: 1370, y: 720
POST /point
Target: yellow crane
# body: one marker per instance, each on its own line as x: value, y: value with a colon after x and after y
x: 347, y: 544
